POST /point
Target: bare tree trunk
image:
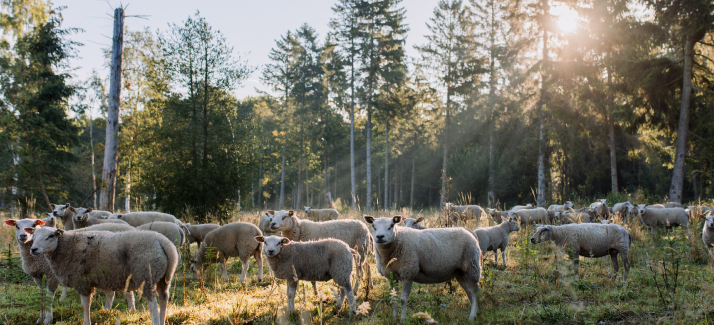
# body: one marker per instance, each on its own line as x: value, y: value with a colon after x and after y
x: 111, y: 146
x: 491, y: 172
x: 492, y: 100
x: 94, y: 176
x: 353, y: 188
x: 368, y: 200
x: 411, y: 191
x: 442, y: 197
x: 282, y: 181
x: 675, y: 192
x: 127, y: 200
x: 327, y: 180
x: 611, y: 126
x: 260, y: 181
x: 297, y: 201
x: 386, y: 166
x: 541, y: 113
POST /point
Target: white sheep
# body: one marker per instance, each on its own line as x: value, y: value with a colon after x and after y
x: 588, y: 240
x: 50, y: 221
x: 530, y: 215
x: 708, y: 230
x: 496, y: 237
x: 464, y: 212
x: 264, y: 223
x: 65, y: 213
x: 101, y: 214
x: 110, y: 227
x: 414, y: 223
x: 497, y: 215
x: 353, y: 232
x: 600, y: 208
x: 136, y: 219
x: 561, y: 208
x: 623, y: 208
x: 522, y: 207
x: 82, y: 219
x: 673, y: 205
x: 572, y: 216
x: 322, y: 260
x: 196, y: 233
x: 321, y: 214
x: 426, y: 256
x: 667, y: 217
x: 170, y: 230
x: 110, y: 261
x: 35, y: 266
x: 233, y: 239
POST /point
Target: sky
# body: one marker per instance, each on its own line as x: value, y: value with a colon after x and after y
x: 250, y: 26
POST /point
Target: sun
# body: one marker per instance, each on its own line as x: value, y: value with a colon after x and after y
x: 566, y: 18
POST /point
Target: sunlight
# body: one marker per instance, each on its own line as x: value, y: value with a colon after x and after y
x: 566, y: 18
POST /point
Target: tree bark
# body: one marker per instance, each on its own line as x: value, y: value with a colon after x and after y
x: 675, y: 192
x: 386, y: 166
x: 541, y: 113
x: 611, y: 127
x: 282, y: 181
x: 353, y: 192
x: 127, y: 200
x: 299, y: 183
x: 94, y: 176
x: 111, y: 147
x: 368, y: 200
x: 411, y: 191
x: 492, y: 99
x: 442, y: 197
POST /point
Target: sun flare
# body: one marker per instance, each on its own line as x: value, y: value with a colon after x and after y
x: 566, y: 18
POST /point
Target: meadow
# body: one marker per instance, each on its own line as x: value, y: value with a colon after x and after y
x: 671, y: 282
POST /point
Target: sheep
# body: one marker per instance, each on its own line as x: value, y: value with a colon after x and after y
x: 496, y: 237
x: 589, y: 240
x: 65, y: 213
x: 426, y: 256
x: 553, y: 216
x: 708, y: 230
x: 668, y: 217
x: 196, y: 233
x: 321, y: 214
x: 35, y: 266
x: 110, y: 227
x: 572, y: 216
x: 82, y: 219
x: 322, y: 260
x: 463, y: 212
x: 561, y: 208
x: 110, y: 261
x: 623, y: 208
x: 136, y: 219
x: 530, y: 215
x: 600, y: 208
x: 233, y: 239
x: 101, y: 214
x: 414, y: 223
x: 264, y: 223
x: 673, y: 205
x: 353, y: 232
x: 50, y: 221
x: 170, y: 230
x: 522, y: 207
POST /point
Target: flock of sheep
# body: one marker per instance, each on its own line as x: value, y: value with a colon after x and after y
x: 137, y: 251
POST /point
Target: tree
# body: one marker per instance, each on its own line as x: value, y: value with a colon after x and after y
x: 450, y: 57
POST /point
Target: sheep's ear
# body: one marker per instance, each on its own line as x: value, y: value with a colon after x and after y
x: 420, y: 219
x: 29, y: 230
x: 397, y: 219
x: 369, y: 219
x: 10, y: 222
x: 291, y: 213
x: 119, y: 216
x: 66, y: 205
x: 71, y: 208
x: 260, y: 239
x: 271, y: 212
x: 284, y: 241
x: 59, y: 232
x: 39, y: 223
x: 89, y: 210
x: 52, y: 205
x: 701, y: 216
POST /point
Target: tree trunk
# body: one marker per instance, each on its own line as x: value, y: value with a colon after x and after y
x: 442, y: 197
x: 296, y: 204
x: 411, y: 191
x: 282, y: 181
x: 353, y: 188
x: 327, y: 180
x: 111, y: 146
x: 541, y: 113
x: 127, y: 200
x: 675, y: 192
x: 260, y: 181
x: 91, y: 146
x: 368, y: 200
x: 491, y: 171
x: 492, y: 100
x: 386, y: 166
x: 611, y: 127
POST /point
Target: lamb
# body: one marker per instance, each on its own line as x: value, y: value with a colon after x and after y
x: 589, y: 240
x: 233, y: 239
x: 196, y: 233
x: 708, y: 230
x: 322, y: 260
x: 82, y: 219
x: 414, y: 223
x: 35, y: 266
x: 561, y: 208
x: 600, y: 208
x: 426, y: 256
x: 463, y: 212
x: 496, y: 237
x: 50, y: 221
x: 136, y: 219
x: 321, y: 214
x: 169, y: 229
x: 668, y: 217
x: 623, y: 208
x: 522, y: 207
x: 110, y: 261
x: 353, y: 232
x: 530, y: 215
x: 66, y: 213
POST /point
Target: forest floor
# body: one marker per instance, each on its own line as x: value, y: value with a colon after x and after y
x: 671, y: 281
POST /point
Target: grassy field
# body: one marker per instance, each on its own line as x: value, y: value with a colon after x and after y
x: 671, y: 281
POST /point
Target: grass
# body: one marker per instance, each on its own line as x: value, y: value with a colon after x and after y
x: 536, y: 287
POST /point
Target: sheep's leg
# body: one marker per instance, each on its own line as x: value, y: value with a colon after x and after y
x: 259, y: 259
x: 48, y: 313
x: 109, y: 301
x: 615, y: 266
x: 471, y: 293
x: 503, y: 254
x: 86, y: 304
x: 341, y: 298
x: 626, y: 263
x: 162, y: 291
x: 129, y: 295
x: 244, y: 269
x: 406, y: 289
x: 224, y: 271
x: 359, y: 276
x: 153, y: 310
x: 292, y: 288
x: 495, y: 257
x: 314, y: 287
x: 576, y: 263
x: 350, y: 299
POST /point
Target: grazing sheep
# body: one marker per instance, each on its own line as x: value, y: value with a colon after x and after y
x: 592, y: 215
x: 353, y: 232
x: 561, y: 208
x: 623, y: 208
x: 66, y: 213
x: 82, y: 219
x: 136, y: 219
x: 464, y: 212
x: 101, y: 214
x: 497, y: 215
x: 496, y: 237
x: 708, y: 230
x: 264, y: 223
x: 571, y: 216
x: 110, y: 261
x: 35, y: 266
x: 530, y: 215
x: 170, y: 230
x: 322, y: 260
x: 522, y: 207
x: 426, y: 256
x: 673, y: 205
x: 321, y: 214
x: 588, y: 240
x: 600, y: 208
x: 667, y: 217
x: 414, y: 223
x: 196, y: 233
x: 233, y: 239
